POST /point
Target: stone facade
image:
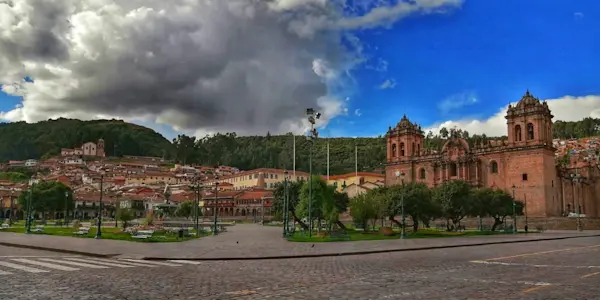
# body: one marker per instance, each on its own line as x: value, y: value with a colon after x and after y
x: 523, y: 165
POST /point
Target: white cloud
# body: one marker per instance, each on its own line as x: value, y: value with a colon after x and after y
x: 388, y: 84
x: 578, y: 15
x: 457, y: 101
x: 567, y: 108
x: 357, y: 112
x: 173, y: 63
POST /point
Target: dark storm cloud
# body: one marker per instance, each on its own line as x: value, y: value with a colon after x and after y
x: 243, y: 65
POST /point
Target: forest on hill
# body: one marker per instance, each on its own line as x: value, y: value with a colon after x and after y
x: 20, y: 141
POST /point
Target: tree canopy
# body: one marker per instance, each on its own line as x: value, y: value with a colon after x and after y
x: 20, y: 140
x: 49, y: 196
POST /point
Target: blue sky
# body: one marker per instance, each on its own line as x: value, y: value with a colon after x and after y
x: 463, y: 67
x: 468, y: 64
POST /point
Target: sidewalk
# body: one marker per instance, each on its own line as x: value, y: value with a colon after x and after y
x: 249, y: 241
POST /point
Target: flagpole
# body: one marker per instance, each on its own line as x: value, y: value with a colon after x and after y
x: 328, y: 161
x: 356, y: 168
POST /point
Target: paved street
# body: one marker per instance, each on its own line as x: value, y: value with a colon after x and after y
x: 562, y: 269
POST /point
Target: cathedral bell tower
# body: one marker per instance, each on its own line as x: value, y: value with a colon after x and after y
x: 404, y: 142
x: 529, y: 123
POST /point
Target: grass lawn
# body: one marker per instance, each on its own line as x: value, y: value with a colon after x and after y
x: 107, y: 233
x: 354, y: 235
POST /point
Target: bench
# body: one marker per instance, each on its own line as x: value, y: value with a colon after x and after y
x: 4, y: 226
x: 142, y: 234
x: 38, y: 229
x: 339, y: 234
x: 82, y: 231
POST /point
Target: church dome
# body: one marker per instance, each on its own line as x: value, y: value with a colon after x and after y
x: 528, y: 100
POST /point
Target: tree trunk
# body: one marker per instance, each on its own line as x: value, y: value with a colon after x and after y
x: 415, y: 224
x: 497, y: 222
x: 391, y: 218
x: 341, y: 225
x: 304, y: 226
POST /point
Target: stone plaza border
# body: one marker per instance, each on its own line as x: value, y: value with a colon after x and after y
x: 366, y: 252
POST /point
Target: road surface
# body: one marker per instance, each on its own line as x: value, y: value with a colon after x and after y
x: 563, y: 269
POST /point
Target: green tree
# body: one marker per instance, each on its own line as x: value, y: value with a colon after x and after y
x: 125, y: 216
x: 363, y: 209
x: 49, y: 197
x: 185, y: 209
x: 418, y: 204
x: 294, y: 199
x: 454, y: 199
x: 323, y: 206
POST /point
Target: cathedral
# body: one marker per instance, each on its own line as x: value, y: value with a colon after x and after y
x: 523, y: 165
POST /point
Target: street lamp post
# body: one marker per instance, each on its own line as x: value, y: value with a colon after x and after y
x: 400, y: 175
x: 117, y: 207
x: 578, y: 178
x: 215, y: 231
x: 526, y: 218
x: 285, y: 203
x: 66, y: 208
x: 514, y: 210
x: 100, y: 208
x: 29, y: 206
x: 197, y: 206
x: 10, y: 209
x: 312, y: 137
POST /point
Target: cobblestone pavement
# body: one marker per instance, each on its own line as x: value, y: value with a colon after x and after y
x: 250, y: 240
x: 562, y: 269
x: 13, y: 251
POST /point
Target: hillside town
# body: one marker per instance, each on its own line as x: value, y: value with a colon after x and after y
x: 153, y: 185
x: 149, y: 185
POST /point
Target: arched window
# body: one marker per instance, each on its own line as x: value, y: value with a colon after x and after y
x: 394, y: 150
x: 422, y: 173
x: 412, y: 150
x: 453, y: 171
x: 402, y: 149
x: 494, y: 167
x: 518, y: 133
x: 418, y: 149
x: 530, y: 131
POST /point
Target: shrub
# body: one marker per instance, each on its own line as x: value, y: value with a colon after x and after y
x: 76, y: 224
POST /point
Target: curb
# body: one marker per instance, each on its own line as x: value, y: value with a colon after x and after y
x: 367, y: 252
x: 89, y: 254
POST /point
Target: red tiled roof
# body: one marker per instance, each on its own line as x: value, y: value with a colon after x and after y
x: 249, y: 195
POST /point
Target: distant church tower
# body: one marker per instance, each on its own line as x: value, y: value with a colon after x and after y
x: 100, y: 148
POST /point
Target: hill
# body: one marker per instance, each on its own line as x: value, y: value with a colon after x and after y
x: 20, y: 140
x: 250, y: 152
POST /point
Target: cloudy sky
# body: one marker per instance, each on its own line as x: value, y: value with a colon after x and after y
x: 252, y: 66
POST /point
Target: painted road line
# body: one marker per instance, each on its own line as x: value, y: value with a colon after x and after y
x: 150, y: 262
x: 22, y: 268
x: 535, y: 288
x: 590, y: 275
x: 43, y: 264
x: 540, y: 253
x: 181, y: 261
x: 111, y: 262
x: 72, y: 263
x: 531, y: 265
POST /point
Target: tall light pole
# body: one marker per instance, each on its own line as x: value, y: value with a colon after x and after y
x: 66, y: 208
x: 400, y: 174
x: 526, y: 218
x: 100, y: 208
x: 10, y: 209
x: 29, y: 205
x: 285, y: 203
x: 578, y: 178
x: 514, y: 209
x: 311, y: 137
x: 196, y: 205
x: 215, y: 231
